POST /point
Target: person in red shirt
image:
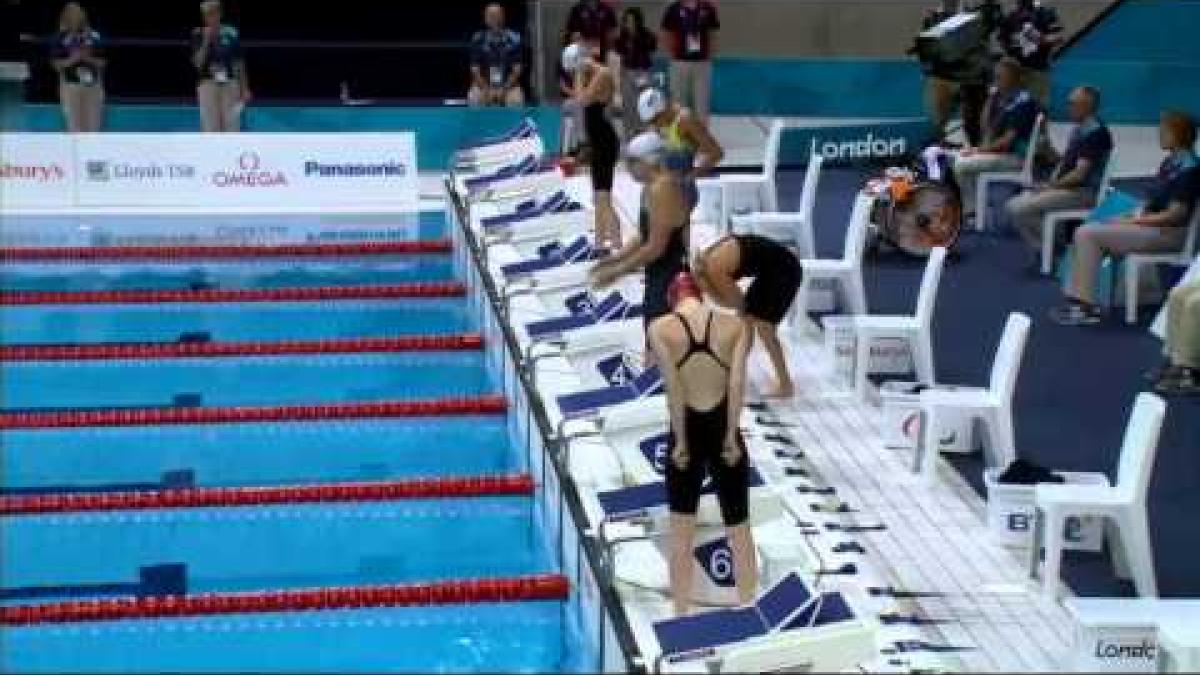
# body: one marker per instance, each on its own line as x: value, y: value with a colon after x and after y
x: 689, y: 30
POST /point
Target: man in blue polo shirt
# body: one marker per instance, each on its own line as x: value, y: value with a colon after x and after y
x: 496, y: 63
x: 1008, y: 121
x: 1076, y: 179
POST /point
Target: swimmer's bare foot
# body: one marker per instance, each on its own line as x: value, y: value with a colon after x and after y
x: 780, y: 390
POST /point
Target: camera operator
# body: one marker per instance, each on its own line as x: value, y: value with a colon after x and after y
x: 957, y: 73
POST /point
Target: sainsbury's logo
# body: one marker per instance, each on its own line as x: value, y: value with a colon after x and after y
x: 249, y: 173
x: 38, y: 173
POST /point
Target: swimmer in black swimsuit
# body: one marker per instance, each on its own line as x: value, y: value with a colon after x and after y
x: 596, y: 86
x: 776, y: 274
x: 661, y: 246
x: 702, y: 355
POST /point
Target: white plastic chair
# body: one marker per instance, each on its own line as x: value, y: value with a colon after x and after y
x: 985, y: 180
x: 992, y: 406
x: 795, y: 228
x: 1135, y: 261
x: 1124, y: 505
x: 762, y: 185
x: 1055, y: 219
x: 915, y: 329
x: 846, y: 271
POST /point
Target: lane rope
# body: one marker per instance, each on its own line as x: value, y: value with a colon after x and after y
x: 478, y: 405
x: 167, y: 350
x: 171, y: 253
x: 512, y: 589
x: 437, y: 289
x: 209, y: 497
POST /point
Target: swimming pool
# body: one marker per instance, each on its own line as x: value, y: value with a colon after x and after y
x: 112, y: 553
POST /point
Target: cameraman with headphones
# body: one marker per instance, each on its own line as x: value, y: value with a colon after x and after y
x: 959, y: 77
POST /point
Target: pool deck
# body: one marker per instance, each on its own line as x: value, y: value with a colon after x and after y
x: 935, y: 539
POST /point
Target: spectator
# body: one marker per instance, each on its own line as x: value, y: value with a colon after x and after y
x: 222, y: 89
x: 1008, y: 121
x: 496, y: 63
x: 1030, y: 34
x: 690, y: 32
x: 78, y: 56
x: 1159, y: 225
x: 1181, y: 372
x: 1076, y: 179
x: 635, y: 45
x: 596, y: 22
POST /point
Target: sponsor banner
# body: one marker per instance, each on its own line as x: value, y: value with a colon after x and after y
x: 854, y: 145
x: 261, y: 170
x: 36, y: 170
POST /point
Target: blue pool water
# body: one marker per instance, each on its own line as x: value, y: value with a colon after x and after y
x: 184, y: 275
x: 485, y: 638
x: 232, y: 322
x: 260, y: 380
x: 257, y: 454
x: 292, y: 546
x: 52, y: 558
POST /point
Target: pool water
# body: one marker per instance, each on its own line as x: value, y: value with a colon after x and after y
x: 107, y: 554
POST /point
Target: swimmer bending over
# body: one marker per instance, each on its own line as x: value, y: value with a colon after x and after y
x: 660, y: 247
x: 776, y: 275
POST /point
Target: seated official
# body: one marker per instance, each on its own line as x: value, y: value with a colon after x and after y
x: 1159, y: 226
x: 1008, y: 121
x: 1076, y: 179
x: 1181, y: 372
x: 496, y: 63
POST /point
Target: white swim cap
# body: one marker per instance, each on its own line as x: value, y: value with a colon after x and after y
x: 572, y: 58
x: 650, y: 103
x: 646, y: 146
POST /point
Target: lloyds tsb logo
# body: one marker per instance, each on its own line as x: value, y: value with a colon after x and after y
x: 867, y: 147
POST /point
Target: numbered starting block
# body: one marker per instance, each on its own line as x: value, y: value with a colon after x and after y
x: 1010, y: 514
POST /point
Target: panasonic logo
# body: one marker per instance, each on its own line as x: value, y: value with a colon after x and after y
x: 385, y: 169
x: 862, y: 148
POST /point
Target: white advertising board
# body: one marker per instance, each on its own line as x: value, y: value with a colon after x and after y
x: 261, y: 170
x: 36, y: 170
x: 210, y: 170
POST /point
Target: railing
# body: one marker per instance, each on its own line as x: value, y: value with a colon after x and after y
x: 577, y: 548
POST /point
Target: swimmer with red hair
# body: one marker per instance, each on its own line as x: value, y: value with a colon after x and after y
x: 702, y: 356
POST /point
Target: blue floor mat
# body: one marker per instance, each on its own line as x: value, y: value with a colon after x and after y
x: 1076, y: 387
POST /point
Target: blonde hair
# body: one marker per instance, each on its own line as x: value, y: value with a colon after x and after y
x: 210, y: 5
x: 70, y: 10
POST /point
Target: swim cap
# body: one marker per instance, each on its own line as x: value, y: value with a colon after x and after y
x: 683, y: 286
x: 650, y: 103
x: 646, y: 146
x: 572, y: 58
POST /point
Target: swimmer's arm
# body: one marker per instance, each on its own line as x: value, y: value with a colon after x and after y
x: 709, y: 151
x: 737, y: 377
x: 594, y: 92
x: 666, y: 365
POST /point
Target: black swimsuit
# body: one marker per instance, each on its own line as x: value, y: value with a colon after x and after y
x: 605, y: 146
x: 776, y: 274
x: 661, y: 272
x: 705, y: 431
